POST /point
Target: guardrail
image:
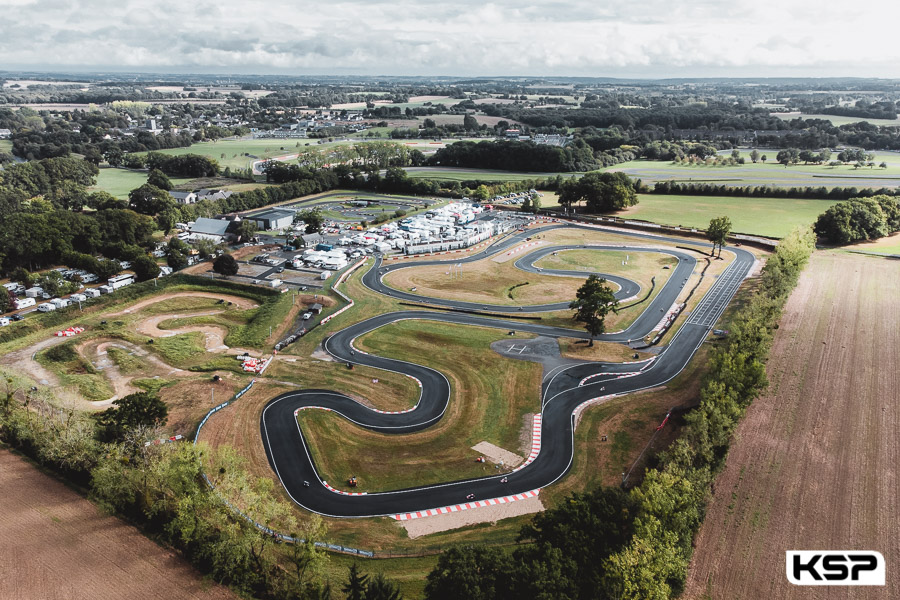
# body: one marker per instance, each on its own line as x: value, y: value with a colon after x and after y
x: 260, y: 526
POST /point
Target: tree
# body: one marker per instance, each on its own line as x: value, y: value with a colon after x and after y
x: 763, y: 158
x: 857, y: 219
x: 159, y: 179
x: 150, y: 200
x: 717, y: 233
x: 475, y: 572
x: 382, y: 588
x: 788, y: 156
x: 313, y: 219
x: 592, y: 303
x: 130, y: 413
x: 754, y: 155
x: 225, y: 265
x: 355, y: 588
x: 6, y: 300
x: 246, y: 230
x: 145, y: 268
x: 603, y: 192
x: 470, y: 123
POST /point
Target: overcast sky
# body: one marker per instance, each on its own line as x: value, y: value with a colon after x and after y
x: 636, y: 38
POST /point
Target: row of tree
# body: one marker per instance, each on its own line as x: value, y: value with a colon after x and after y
x: 767, y: 191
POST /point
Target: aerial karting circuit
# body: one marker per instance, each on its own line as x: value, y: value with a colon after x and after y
x: 564, y: 390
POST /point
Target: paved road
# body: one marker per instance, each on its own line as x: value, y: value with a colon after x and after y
x: 564, y: 390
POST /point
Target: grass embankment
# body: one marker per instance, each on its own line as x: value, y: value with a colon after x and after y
x: 489, y: 397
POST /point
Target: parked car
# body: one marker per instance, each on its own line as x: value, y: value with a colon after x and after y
x: 307, y: 316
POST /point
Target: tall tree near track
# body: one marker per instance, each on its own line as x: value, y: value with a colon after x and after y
x: 717, y: 233
x: 592, y: 303
x: 225, y: 265
x: 754, y: 155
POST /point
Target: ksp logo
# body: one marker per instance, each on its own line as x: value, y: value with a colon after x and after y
x: 835, y: 567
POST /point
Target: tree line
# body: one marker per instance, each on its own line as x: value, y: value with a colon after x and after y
x: 768, y: 191
x: 859, y: 220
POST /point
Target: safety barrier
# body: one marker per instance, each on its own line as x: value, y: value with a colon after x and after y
x: 248, y: 518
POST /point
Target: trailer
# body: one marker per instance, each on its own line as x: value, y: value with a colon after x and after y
x: 120, y: 281
x: 24, y: 303
x: 46, y: 307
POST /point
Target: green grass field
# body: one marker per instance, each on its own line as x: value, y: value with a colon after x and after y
x: 119, y: 182
x: 773, y: 217
x: 6, y: 146
x: 769, y: 173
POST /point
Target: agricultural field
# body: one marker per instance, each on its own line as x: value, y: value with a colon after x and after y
x: 838, y: 120
x: 772, y: 217
x: 119, y: 182
x: 6, y: 146
x: 770, y: 173
x: 813, y: 465
x: 58, y: 545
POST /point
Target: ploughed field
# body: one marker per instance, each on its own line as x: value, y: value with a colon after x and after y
x: 814, y: 462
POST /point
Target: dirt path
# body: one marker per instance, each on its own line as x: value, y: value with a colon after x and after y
x: 815, y: 461
x: 214, y: 335
x: 58, y: 546
x: 23, y: 360
x: 238, y: 301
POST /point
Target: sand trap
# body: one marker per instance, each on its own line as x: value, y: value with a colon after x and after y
x: 498, y: 455
x: 484, y: 514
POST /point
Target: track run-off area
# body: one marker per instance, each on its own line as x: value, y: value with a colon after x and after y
x: 564, y: 390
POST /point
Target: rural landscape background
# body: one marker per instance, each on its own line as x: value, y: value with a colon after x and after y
x: 397, y: 300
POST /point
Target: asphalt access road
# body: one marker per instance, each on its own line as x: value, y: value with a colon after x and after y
x: 564, y: 391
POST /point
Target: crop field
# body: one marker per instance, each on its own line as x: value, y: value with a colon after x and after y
x: 119, y: 182
x: 770, y: 173
x: 814, y: 461
x: 6, y: 146
x: 772, y: 217
x: 838, y: 120
x: 59, y: 545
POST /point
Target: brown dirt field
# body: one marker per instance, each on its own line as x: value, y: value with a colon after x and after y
x: 57, y: 545
x: 814, y: 462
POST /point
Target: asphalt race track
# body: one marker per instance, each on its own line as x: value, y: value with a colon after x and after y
x: 563, y: 390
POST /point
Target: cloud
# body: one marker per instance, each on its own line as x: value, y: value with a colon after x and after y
x: 465, y: 37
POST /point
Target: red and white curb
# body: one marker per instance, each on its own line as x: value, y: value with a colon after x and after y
x: 535, y: 442
x: 400, y: 412
x: 337, y: 491
x: 523, y: 246
x: 670, y: 316
x: 446, y: 510
x: 297, y: 412
x: 617, y: 376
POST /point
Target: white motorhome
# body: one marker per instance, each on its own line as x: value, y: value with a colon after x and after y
x: 92, y: 293
x: 120, y: 281
x: 24, y: 303
x: 4, y: 321
x: 59, y: 302
x: 46, y: 307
